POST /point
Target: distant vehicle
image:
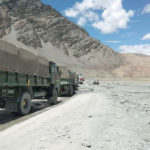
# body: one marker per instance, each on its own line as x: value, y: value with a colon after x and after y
x: 68, y: 81
x: 25, y: 76
x: 96, y: 82
x: 81, y: 79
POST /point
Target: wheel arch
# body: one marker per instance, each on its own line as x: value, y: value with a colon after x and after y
x: 25, y: 89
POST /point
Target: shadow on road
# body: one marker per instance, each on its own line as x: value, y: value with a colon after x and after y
x: 37, y: 106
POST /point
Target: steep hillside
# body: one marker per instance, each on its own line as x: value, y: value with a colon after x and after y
x: 33, y: 25
x: 134, y: 66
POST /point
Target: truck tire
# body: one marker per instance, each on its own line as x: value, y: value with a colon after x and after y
x: 53, y: 99
x: 24, y: 105
x: 71, y: 91
x: 75, y: 87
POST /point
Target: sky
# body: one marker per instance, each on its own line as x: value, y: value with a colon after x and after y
x: 123, y: 25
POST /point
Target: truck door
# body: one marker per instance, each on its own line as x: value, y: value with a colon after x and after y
x: 52, y: 73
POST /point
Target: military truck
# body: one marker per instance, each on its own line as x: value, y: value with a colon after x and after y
x: 68, y: 81
x: 25, y: 76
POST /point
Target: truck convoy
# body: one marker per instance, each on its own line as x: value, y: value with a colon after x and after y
x: 25, y: 76
x: 68, y: 82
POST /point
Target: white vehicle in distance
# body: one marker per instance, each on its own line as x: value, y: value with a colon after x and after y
x: 81, y: 79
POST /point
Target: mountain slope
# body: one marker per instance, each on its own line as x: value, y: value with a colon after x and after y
x: 42, y: 28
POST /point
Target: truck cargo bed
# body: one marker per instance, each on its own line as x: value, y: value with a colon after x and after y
x: 17, y: 79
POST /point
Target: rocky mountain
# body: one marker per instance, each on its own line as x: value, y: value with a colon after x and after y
x: 37, y: 26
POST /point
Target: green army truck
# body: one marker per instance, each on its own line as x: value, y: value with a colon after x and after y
x: 25, y: 76
x: 68, y: 81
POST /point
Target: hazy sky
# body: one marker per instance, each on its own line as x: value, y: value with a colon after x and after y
x: 124, y: 25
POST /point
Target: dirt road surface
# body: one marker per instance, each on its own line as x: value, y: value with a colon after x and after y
x: 114, y: 115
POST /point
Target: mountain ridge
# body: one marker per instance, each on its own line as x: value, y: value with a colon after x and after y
x: 35, y: 25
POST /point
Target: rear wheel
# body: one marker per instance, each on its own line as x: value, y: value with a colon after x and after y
x: 76, y: 87
x: 53, y: 99
x: 24, y: 105
x: 70, y: 91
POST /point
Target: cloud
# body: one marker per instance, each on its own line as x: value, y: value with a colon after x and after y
x: 146, y: 9
x: 71, y: 13
x: 140, y: 49
x: 108, y: 16
x: 113, y: 42
x: 146, y: 37
x: 81, y: 21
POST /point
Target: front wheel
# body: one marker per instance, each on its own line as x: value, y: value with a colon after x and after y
x: 24, y: 105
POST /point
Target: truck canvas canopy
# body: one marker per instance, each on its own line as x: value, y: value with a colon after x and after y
x: 14, y: 59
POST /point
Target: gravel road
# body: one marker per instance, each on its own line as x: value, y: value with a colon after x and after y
x: 38, y: 106
x: 114, y: 115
